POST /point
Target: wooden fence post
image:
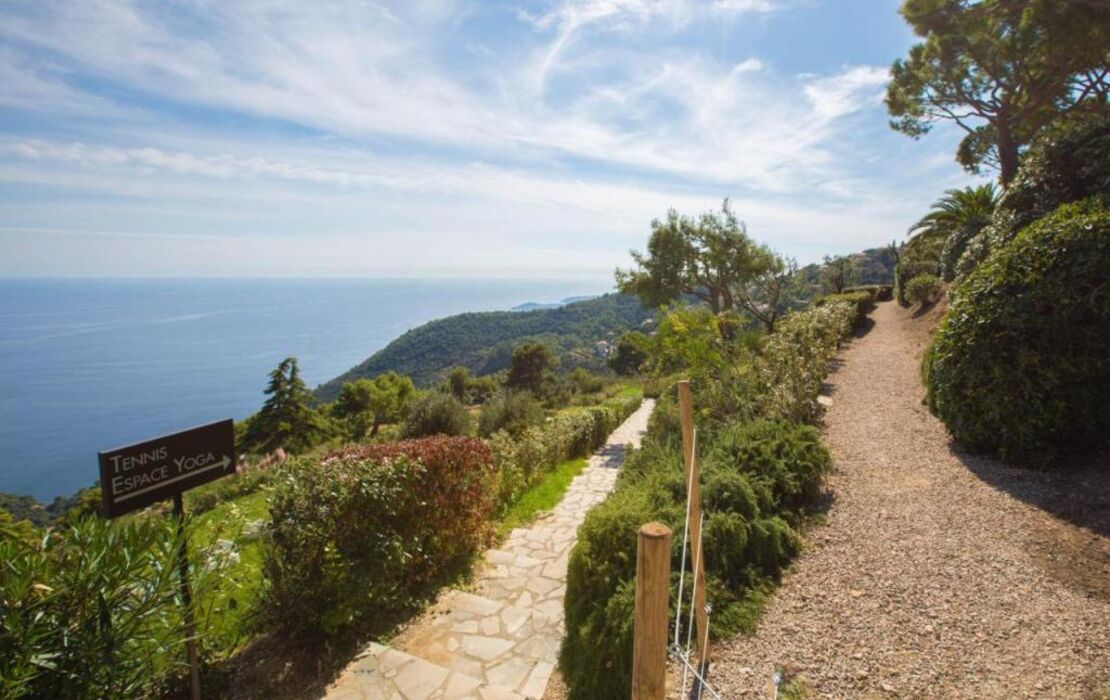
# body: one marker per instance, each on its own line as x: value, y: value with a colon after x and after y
x: 653, y: 589
x: 693, y: 480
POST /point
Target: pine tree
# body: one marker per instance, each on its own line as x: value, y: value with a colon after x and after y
x: 287, y: 418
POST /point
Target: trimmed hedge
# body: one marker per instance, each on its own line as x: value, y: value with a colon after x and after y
x: 878, y: 292
x: 753, y: 478
x: 366, y: 530
x: 863, y: 302
x: 522, y: 461
x: 1019, y: 366
x: 796, y: 359
x: 923, y: 288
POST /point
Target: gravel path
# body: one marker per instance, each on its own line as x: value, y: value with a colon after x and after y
x: 938, y: 575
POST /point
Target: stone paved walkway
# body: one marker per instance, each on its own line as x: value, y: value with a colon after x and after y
x: 501, y: 641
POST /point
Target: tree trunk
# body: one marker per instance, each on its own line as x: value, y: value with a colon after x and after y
x: 1007, y: 156
x: 375, y: 426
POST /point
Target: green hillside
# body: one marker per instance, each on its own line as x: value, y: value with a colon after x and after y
x: 483, y: 342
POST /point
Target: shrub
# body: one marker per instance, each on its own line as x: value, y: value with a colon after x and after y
x: 436, y: 413
x: 796, y: 360
x: 511, y: 411
x: 878, y: 292
x: 922, y: 289
x: 788, y: 458
x: 1019, y: 365
x: 367, y: 530
x: 754, y: 470
x: 90, y: 611
x: 1065, y: 165
x: 522, y: 460
x: 862, y: 300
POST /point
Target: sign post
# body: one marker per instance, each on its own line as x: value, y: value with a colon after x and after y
x: 135, y: 476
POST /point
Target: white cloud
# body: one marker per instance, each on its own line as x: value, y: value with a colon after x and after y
x: 387, y: 126
x: 846, y: 92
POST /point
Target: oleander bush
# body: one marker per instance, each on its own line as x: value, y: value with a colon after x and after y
x: 922, y: 289
x: 89, y: 610
x: 436, y: 413
x: 752, y: 478
x: 1019, y: 366
x: 365, y: 531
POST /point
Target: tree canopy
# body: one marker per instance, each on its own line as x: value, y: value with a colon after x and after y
x: 287, y: 418
x: 368, y: 403
x: 530, y: 367
x: 1002, y: 70
x: 708, y: 257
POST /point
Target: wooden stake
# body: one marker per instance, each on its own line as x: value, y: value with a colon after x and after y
x: 187, y: 600
x: 653, y: 589
x: 701, y: 619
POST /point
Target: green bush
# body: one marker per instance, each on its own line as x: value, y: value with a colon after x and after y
x: 753, y: 474
x: 511, y: 411
x: 922, y: 289
x: 788, y: 458
x: 436, y: 413
x: 90, y: 611
x: 878, y: 292
x: 367, y: 530
x: 1019, y: 365
x: 1065, y: 165
x: 796, y: 359
x: 523, y: 459
x: 862, y: 300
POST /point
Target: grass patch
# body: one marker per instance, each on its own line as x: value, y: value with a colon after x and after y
x: 543, y: 496
x: 227, y: 607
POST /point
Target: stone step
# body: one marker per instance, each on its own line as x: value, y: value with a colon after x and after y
x: 499, y: 643
x: 384, y: 673
x: 526, y: 578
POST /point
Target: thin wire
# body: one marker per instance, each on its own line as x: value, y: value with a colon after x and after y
x: 685, y: 535
x: 693, y: 597
x: 697, y: 675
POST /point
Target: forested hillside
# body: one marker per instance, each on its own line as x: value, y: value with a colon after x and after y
x: 483, y: 342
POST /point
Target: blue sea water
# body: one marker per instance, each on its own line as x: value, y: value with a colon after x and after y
x: 90, y: 364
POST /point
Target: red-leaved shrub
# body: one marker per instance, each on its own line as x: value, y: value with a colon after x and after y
x: 368, y: 529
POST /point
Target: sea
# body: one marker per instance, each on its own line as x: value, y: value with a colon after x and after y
x: 91, y: 364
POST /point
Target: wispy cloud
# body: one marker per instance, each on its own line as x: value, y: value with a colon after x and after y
x: 371, y: 119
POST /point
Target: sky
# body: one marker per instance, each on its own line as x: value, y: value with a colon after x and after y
x: 444, y: 138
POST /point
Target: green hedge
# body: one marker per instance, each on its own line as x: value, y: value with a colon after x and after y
x: 878, y: 292
x: 755, y: 480
x: 795, y: 359
x: 522, y: 460
x: 863, y: 302
x: 1019, y: 366
x: 365, y: 531
x: 923, y: 288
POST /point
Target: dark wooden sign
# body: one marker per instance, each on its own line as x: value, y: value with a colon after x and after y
x: 138, y: 475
